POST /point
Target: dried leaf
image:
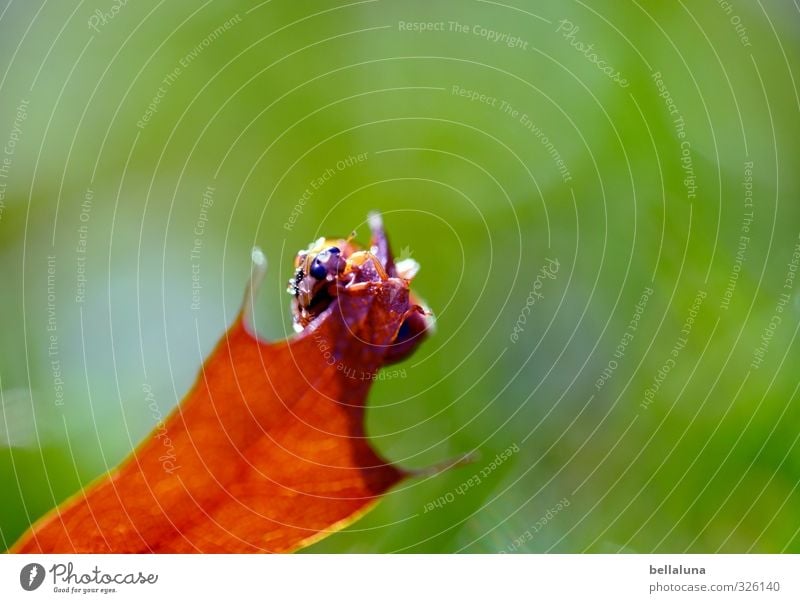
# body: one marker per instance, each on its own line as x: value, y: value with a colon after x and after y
x: 267, y: 452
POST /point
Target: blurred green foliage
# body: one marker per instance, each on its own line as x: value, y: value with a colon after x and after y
x: 472, y: 187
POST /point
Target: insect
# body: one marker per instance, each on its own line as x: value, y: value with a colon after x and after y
x: 314, y: 283
x: 329, y: 264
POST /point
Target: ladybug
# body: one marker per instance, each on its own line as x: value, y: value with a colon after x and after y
x: 315, y: 279
x: 330, y: 264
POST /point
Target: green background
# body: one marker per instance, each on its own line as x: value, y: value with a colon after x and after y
x: 292, y: 88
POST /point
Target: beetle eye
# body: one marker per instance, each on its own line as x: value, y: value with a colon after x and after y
x: 318, y: 270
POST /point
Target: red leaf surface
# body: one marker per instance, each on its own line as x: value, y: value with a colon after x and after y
x: 270, y: 452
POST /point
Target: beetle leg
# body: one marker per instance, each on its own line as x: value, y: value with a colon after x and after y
x: 378, y: 266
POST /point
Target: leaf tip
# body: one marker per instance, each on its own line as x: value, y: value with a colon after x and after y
x: 460, y: 461
x: 258, y: 270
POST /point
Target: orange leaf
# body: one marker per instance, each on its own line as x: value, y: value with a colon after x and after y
x: 267, y: 452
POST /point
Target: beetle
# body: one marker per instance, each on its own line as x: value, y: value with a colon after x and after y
x: 316, y: 270
x: 328, y: 264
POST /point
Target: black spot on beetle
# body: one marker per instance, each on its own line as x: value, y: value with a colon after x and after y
x: 318, y: 269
